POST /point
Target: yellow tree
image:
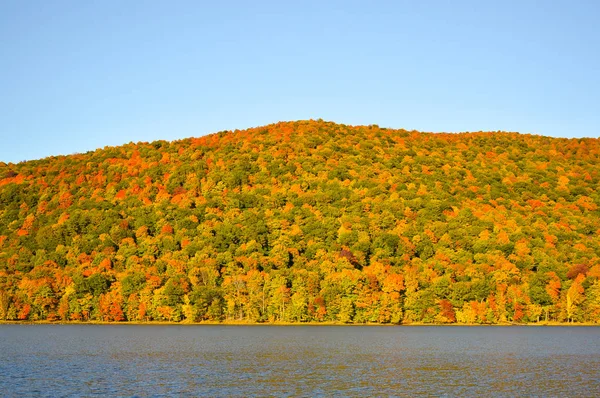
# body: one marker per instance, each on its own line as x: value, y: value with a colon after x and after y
x: 575, y: 296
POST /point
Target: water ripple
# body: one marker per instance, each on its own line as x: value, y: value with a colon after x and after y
x: 149, y: 361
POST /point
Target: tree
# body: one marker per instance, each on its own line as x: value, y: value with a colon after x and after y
x: 574, y: 297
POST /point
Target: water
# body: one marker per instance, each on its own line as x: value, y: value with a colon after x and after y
x: 127, y: 360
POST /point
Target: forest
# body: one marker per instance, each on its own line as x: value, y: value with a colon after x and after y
x: 307, y: 221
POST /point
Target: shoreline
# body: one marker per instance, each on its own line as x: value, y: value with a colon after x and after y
x: 245, y: 323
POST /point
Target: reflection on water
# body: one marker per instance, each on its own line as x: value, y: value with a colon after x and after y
x: 64, y: 360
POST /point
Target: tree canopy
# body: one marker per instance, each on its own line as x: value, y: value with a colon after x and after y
x: 307, y: 221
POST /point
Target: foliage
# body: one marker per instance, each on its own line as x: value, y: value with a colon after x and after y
x: 307, y: 221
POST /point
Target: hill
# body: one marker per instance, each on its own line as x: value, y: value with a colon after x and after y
x: 307, y: 221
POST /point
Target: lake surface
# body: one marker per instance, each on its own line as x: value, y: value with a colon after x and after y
x: 128, y: 360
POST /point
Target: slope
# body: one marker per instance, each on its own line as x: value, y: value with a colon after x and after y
x: 307, y: 221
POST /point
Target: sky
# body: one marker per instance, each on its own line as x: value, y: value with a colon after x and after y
x: 80, y: 75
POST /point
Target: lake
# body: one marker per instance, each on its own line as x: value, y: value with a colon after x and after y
x: 202, y: 360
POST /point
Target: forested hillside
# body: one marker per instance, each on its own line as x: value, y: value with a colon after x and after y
x: 307, y: 221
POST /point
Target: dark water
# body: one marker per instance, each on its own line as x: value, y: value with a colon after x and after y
x: 60, y: 360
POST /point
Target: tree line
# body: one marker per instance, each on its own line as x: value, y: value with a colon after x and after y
x: 307, y: 221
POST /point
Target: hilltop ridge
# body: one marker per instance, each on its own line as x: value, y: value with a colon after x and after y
x: 307, y: 221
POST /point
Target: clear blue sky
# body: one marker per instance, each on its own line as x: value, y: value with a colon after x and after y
x: 79, y: 75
